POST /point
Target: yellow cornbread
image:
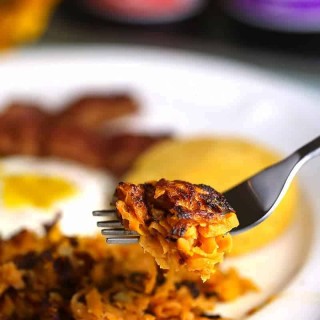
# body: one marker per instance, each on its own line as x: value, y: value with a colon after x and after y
x: 220, y: 163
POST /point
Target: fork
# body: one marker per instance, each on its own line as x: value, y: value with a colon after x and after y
x: 253, y: 199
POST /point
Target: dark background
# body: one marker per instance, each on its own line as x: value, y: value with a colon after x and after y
x: 212, y: 31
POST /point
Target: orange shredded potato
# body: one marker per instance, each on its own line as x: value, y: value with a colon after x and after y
x: 11, y: 276
x: 59, y: 277
x: 182, y: 225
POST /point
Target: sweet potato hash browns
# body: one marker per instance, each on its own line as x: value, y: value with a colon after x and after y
x: 58, y: 277
x: 182, y: 225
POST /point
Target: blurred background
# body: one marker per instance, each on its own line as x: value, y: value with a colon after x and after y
x: 281, y: 36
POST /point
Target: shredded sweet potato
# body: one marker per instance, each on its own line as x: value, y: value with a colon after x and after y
x: 182, y: 225
x: 59, y: 277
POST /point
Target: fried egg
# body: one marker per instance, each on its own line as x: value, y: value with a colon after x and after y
x: 33, y: 191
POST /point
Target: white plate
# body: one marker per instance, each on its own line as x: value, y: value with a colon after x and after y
x: 194, y: 94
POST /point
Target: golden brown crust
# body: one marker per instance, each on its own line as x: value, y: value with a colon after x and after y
x: 64, y: 278
x: 11, y: 277
x: 93, y: 110
x: 182, y: 225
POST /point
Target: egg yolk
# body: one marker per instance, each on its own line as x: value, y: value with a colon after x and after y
x: 31, y: 190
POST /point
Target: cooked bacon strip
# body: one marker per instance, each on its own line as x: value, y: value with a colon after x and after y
x: 115, y: 153
x: 22, y: 129
x: 27, y: 129
x: 93, y: 110
x: 182, y: 225
x: 78, y: 144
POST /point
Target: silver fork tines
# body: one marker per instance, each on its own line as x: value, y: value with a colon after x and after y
x: 109, y: 224
x: 123, y: 240
x: 108, y: 214
x: 117, y: 232
x: 113, y: 229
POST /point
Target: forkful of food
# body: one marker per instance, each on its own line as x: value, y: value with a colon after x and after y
x: 181, y: 223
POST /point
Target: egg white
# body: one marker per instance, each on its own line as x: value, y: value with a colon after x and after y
x: 94, y: 192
